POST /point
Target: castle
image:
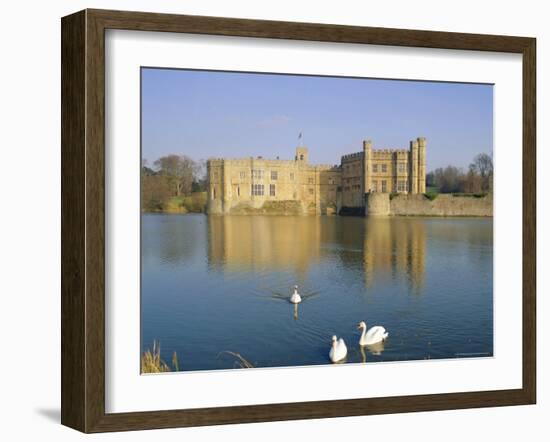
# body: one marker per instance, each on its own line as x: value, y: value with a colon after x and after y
x: 258, y: 185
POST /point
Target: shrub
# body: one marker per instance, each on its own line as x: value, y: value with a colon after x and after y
x: 174, y: 205
x: 431, y: 195
x: 195, y: 202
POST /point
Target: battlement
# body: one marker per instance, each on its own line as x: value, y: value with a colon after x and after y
x: 389, y: 151
x: 352, y: 156
x: 328, y: 167
x: 246, y: 162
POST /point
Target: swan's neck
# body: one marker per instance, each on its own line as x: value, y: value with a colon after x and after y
x: 364, y: 332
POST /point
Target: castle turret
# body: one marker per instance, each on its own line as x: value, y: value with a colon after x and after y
x: 413, y: 165
x: 367, y: 166
x: 421, y: 165
x: 302, y: 154
x: 215, y: 185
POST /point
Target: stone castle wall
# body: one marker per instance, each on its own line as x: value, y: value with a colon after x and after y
x: 377, y: 204
x: 442, y: 205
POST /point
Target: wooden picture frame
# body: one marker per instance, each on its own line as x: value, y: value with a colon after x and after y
x: 83, y: 219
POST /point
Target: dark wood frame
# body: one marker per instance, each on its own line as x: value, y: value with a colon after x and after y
x: 83, y: 219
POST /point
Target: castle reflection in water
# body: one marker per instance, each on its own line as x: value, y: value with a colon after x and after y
x: 378, y: 247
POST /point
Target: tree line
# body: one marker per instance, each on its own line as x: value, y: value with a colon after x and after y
x: 477, y: 179
x: 169, y: 179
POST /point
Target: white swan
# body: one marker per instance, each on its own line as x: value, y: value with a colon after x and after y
x: 295, y: 298
x: 374, y: 335
x: 338, y: 351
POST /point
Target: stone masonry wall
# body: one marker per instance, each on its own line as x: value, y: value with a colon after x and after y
x: 378, y: 204
x: 443, y: 205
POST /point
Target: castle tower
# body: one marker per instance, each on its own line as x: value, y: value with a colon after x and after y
x: 413, y: 173
x: 302, y: 155
x: 367, y: 166
x: 421, y: 165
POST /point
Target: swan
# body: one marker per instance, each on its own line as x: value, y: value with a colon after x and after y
x: 338, y: 351
x: 295, y: 298
x: 374, y: 335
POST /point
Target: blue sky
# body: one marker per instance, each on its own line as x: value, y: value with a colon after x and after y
x: 206, y: 114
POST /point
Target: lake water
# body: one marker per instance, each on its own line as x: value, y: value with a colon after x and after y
x: 216, y: 284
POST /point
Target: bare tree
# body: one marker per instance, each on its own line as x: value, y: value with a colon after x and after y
x: 472, y: 181
x: 179, y: 170
x: 155, y: 191
x: 483, y: 165
x: 449, y: 179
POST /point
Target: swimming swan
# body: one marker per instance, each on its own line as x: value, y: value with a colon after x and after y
x: 295, y: 298
x: 338, y: 351
x: 373, y: 336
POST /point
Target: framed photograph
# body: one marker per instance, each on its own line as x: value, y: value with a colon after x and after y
x: 270, y: 220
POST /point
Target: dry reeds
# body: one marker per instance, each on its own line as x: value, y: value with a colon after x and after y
x: 241, y: 361
x: 152, y: 363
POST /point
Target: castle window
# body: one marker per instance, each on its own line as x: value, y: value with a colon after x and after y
x: 272, y: 190
x: 402, y: 167
x: 384, y: 186
x: 301, y: 157
x: 375, y: 168
x: 310, y: 180
x: 243, y: 175
x: 384, y: 169
x: 257, y: 174
x: 238, y: 191
x: 331, y: 180
x: 274, y: 175
x: 311, y: 190
x: 292, y: 176
x: 375, y: 186
x: 401, y: 186
x: 213, y: 193
x: 257, y: 189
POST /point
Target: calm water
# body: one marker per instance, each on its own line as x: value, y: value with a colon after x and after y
x: 214, y: 284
